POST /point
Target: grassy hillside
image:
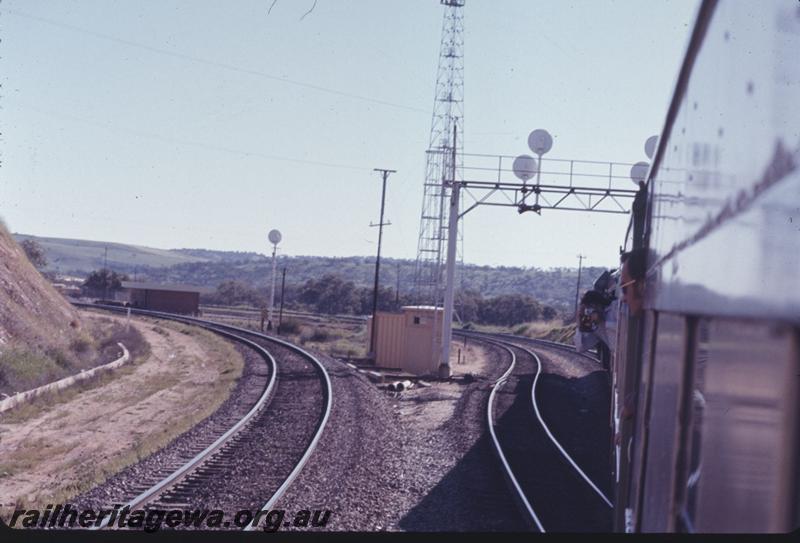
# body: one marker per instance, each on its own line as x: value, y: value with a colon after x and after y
x: 554, y: 287
x: 77, y: 255
x: 202, y: 267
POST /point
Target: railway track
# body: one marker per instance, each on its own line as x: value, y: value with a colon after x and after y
x: 553, y: 491
x: 255, y: 315
x: 512, y: 338
x: 254, y: 456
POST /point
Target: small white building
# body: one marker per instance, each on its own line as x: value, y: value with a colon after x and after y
x: 410, y: 340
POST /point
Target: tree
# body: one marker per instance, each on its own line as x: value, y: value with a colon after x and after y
x: 104, y: 281
x: 467, y: 304
x: 331, y: 295
x: 235, y: 292
x: 35, y: 253
x: 509, y: 309
x: 549, y: 313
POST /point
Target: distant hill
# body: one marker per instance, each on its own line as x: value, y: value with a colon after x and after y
x: 203, y: 267
x: 220, y: 256
x: 82, y: 256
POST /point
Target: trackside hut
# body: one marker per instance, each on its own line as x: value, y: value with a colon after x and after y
x: 184, y: 299
x: 410, y: 340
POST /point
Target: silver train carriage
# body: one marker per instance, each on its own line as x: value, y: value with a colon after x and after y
x: 706, y: 374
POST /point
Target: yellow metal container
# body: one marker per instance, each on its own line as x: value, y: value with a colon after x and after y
x: 410, y: 340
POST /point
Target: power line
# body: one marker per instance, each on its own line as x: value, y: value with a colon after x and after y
x: 222, y: 65
x: 158, y: 137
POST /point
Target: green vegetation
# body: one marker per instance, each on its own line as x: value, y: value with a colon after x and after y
x: 290, y: 326
x: 241, y: 277
x: 550, y: 330
x: 35, y: 253
x: 103, y: 283
x: 82, y: 256
x: 82, y: 473
x: 23, y: 367
x: 552, y: 287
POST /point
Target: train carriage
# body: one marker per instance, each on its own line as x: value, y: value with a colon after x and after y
x: 706, y: 376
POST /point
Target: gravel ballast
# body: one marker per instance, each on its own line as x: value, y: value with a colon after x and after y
x: 382, y: 465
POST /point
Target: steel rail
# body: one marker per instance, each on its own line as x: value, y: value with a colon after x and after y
x: 498, y: 448
x: 227, y: 330
x: 505, y: 344
x: 321, y: 426
x: 506, y: 336
x: 551, y: 436
x: 318, y: 434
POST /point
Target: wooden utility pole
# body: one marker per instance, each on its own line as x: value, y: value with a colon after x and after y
x: 380, y: 226
x: 106, y: 274
x: 280, y: 312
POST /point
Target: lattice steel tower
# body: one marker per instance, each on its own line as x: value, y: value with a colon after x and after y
x: 443, y: 158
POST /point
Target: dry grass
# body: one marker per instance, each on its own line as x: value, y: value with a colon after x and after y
x: 33, y: 318
x: 334, y: 338
x: 24, y: 367
x: 553, y: 330
x: 45, y: 402
x: 93, y: 468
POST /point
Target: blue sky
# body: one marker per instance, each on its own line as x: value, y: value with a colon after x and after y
x: 206, y: 124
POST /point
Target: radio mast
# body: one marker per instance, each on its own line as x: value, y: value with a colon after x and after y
x: 446, y: 142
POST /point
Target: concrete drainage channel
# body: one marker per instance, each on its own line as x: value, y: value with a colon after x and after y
x: 29, y: 395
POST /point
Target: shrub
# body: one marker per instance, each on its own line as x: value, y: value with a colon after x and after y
x: 290, y: 326
x: 133, y: 340
x: 22, y: 369
x: 320, y: 335
x: 80, y: 345
x: 61, y: 358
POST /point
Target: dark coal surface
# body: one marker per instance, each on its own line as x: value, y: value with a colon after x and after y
x: 576, y: 411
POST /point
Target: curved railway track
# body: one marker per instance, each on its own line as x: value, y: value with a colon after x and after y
x: 246, y: 467
x: 553, y: 491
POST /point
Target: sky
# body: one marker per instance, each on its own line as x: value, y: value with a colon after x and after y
x: 200, y: 124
